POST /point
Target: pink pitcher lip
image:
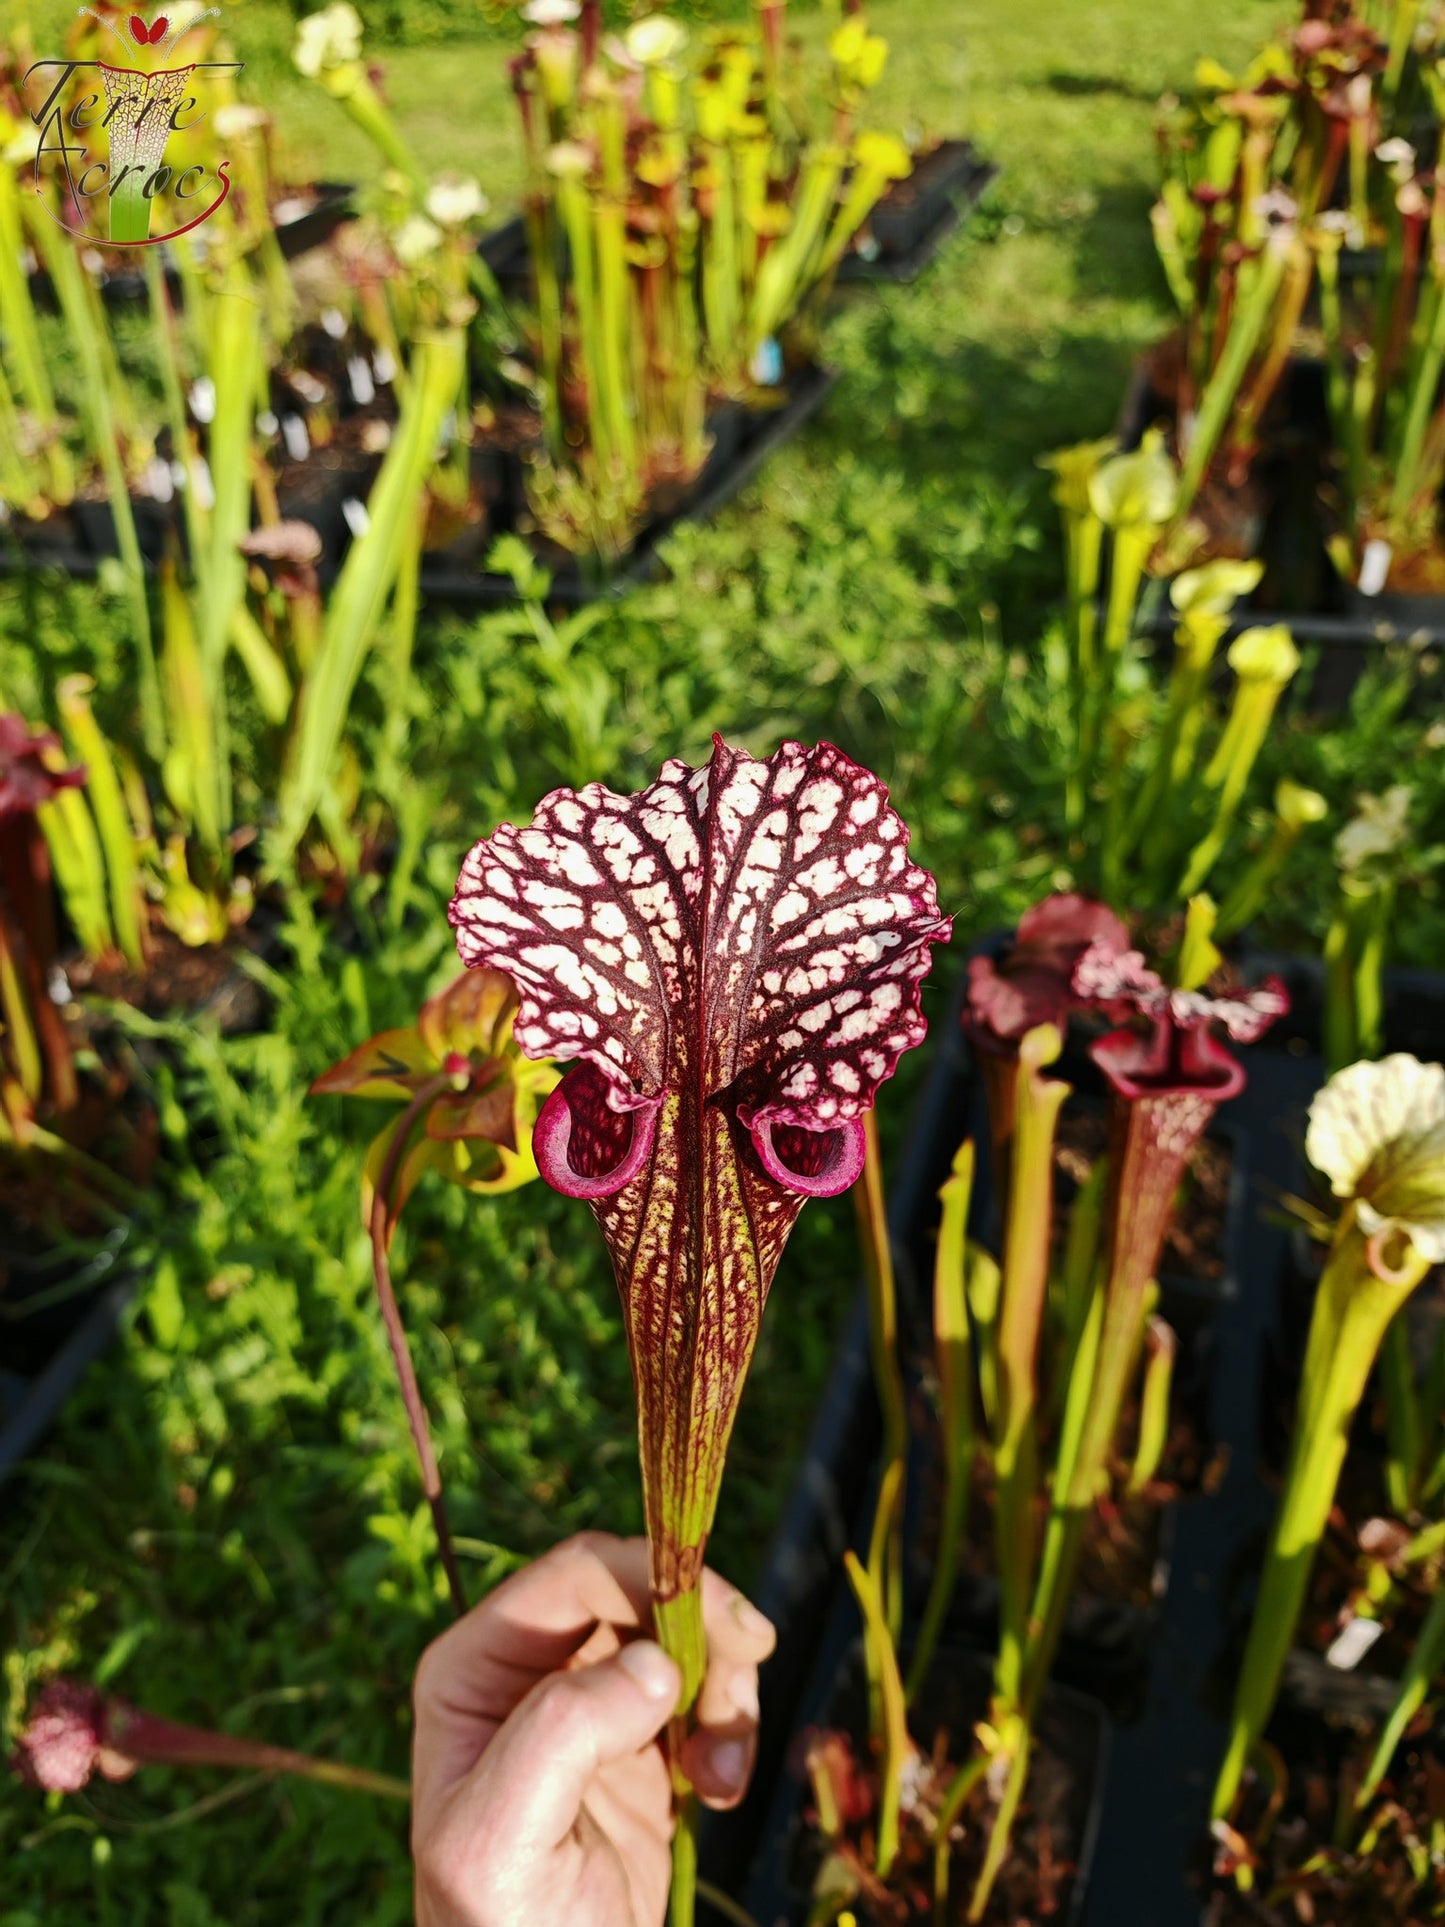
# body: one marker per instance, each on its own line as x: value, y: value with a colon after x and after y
x: 552, y: 1135
x: 1143, y: 1066
x: 842, y: 1168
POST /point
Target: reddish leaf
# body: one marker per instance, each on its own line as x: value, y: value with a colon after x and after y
x: 29, y: 772
x: 488, y: 1115
x: 473, y: 1014
x: 391, y: 1064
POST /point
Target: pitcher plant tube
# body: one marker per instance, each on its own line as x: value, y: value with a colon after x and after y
x: 1377, y: 1133
x: 733, y: 958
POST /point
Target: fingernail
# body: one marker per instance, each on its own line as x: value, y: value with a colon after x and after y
x: 728, y: 1763
x: 755, y: 1624
x: 743, y: 1693
x: 649, y: 1668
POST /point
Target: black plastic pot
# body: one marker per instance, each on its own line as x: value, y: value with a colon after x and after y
x: 507, y: 254
x: 915, y: 217
x: 1073, y: 1735
x: 1301, y: 586
x: 333, y: 202
x: 157, y: 526
x: 57, y: 1316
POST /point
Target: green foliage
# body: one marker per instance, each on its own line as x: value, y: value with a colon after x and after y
x: 425, y: 23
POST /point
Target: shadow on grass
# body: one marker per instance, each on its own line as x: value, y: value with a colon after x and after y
x: 1091, y: 86
x: 1111, y: 249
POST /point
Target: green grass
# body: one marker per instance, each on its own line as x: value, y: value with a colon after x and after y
x: 226, y: 1525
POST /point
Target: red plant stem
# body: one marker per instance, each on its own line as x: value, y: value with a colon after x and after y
x: 147, y: 1741
x: 591, y: 32
x: 382, y: 1226
x: 1403, y: 306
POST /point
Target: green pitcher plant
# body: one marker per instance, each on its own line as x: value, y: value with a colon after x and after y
x: 1377, y: 1134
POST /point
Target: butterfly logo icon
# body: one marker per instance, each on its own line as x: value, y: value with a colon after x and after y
x: 147, y: 36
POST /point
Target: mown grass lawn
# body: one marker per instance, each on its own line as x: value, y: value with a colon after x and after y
x: 226, y: 1525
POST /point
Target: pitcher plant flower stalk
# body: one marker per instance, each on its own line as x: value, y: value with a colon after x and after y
x: 733, y: 960
x: 1264, y: 661
x: 1377, y: 1133
x: 470, y: 1101
x: 886, y: 1539
x: 75, y: 1731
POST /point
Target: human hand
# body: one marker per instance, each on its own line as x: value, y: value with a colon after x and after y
x: 540, y: 1797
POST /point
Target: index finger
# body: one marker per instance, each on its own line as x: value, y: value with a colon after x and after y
x: 473, y: 1676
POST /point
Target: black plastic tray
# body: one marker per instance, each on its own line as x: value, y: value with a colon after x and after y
x: 1301, y: 586
x: 31, y: 1401
x: 731, y: 469
x: 907, y: 228
x: 902, y: 237
x: 732, y: 466
x: 1069, y: 1724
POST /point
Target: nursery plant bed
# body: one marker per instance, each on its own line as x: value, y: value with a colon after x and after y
x: 303, y: 218
x: 1115, y: 1616
x: 1154, y: 1834
x: 729, y: 469
x: 1341, y: 1888
x: 1286, y: 530
x: 1047, y: 1874
x: 901, y: 237
x: 321, y: 489
x: 802, y: 1588
x: 1165, y: 1767
x: 915, y: 217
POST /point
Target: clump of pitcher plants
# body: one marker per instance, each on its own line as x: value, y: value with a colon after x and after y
x: 683, y: 215
x: 1053, y: 1368
x: 1377, y: 1134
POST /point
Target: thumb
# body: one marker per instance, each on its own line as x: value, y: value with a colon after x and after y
x: 528, y: 1787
